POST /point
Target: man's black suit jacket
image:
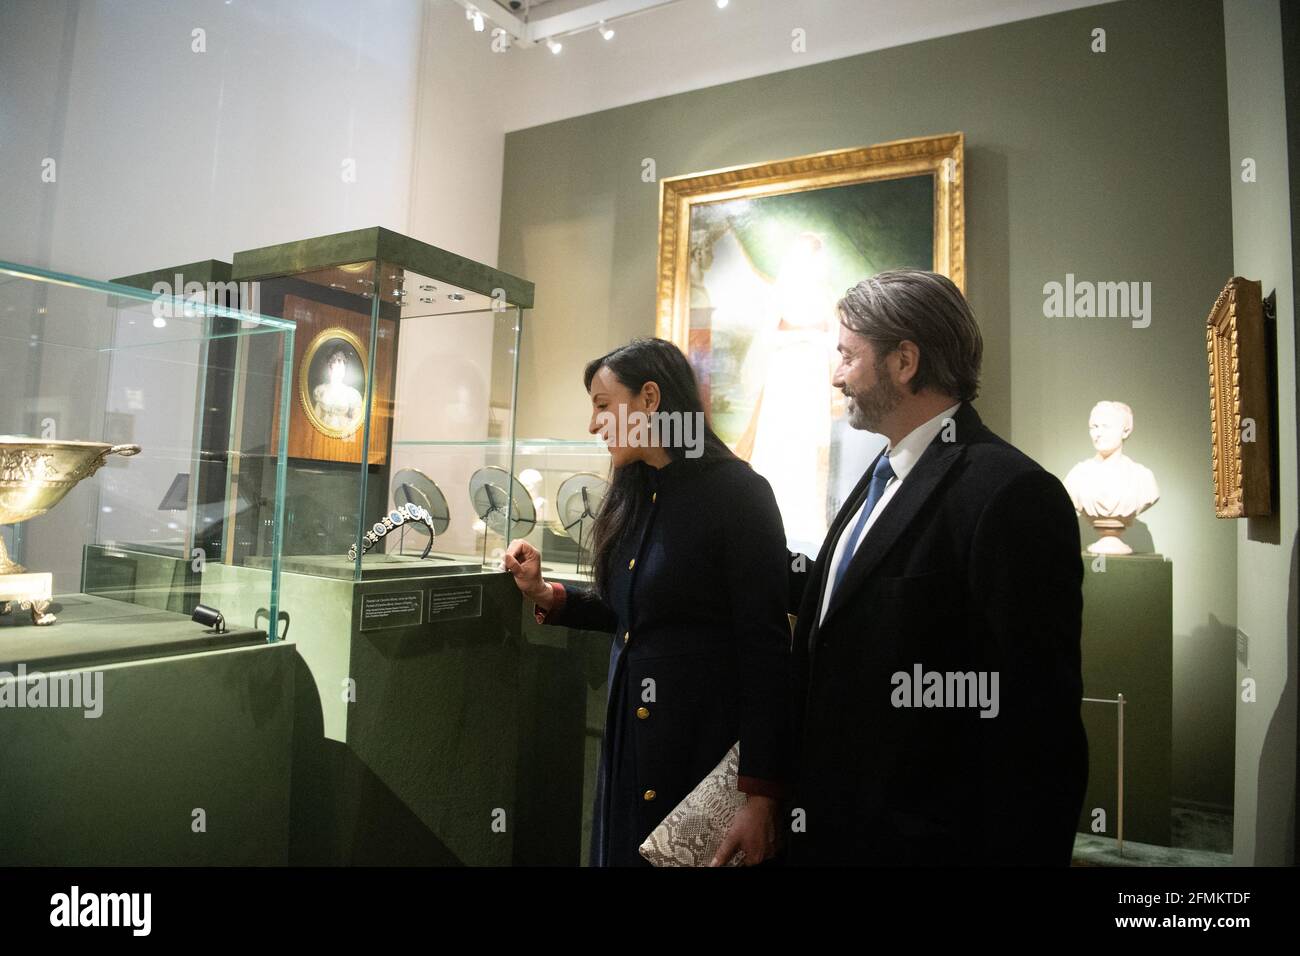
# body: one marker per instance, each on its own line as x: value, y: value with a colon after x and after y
x: 974, y: 566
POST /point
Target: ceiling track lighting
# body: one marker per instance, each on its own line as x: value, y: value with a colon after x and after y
x: 510, y: 28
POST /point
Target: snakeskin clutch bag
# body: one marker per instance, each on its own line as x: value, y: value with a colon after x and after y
x: 692, y: 833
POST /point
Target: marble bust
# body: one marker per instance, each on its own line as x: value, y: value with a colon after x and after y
x: 1110, y: 488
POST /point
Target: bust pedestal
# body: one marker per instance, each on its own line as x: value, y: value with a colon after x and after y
x: 1128, y: 649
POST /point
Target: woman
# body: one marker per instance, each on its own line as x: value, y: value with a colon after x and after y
x: 690, y: 578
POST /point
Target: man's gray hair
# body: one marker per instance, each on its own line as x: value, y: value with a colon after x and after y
x: 925, y: 308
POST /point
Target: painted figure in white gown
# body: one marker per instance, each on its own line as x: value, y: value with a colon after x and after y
x: 792, y: 431
x: 337, y: 405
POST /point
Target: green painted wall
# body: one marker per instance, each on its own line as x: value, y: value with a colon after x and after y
x: 1112, y: 166
x: 1266, y: 547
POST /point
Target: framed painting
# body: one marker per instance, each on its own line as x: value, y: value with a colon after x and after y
x: 1240, y: 411
x: 751, y: 262
x: 330, y: 367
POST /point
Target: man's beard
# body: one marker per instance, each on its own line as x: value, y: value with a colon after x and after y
x: 867, y: 410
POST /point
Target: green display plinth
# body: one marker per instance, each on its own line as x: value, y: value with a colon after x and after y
x: 429, y: 730
x: 1128, y: 649
x: 437, y: 709
x: 186, y: 763
x: 581, y: 665
x: 93, y: 631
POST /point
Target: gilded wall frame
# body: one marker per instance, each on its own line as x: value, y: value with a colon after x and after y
x: 937, y: 156
x: 333, y: 338
x: 1240, y: 414
x: 751, y: 262
x: 312, y: 436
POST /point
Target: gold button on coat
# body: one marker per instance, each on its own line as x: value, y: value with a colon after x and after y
x: 631, y: 564
x: 650, y: 794
x: 643, y: 712
x: 626, y: 635
x: 653, y: 496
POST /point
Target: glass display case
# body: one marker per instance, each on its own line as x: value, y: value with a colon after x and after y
x: 123, y: 505
x: 556, y: 492
x: 568, y: 481
x: 399, y: 346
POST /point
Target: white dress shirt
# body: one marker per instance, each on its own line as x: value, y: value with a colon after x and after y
x: 902, y: 459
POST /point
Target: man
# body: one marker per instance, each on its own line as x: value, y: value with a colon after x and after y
x: 936, y: 658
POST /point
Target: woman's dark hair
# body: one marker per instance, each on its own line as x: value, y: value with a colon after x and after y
x: 647, y: 360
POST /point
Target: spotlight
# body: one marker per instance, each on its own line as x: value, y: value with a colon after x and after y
x: 722, y: 4
x: 554, y: 47
x: 209, y: 617
x: 606, y: 32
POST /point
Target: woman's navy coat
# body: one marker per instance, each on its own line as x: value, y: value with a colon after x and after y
x: 700, y: 651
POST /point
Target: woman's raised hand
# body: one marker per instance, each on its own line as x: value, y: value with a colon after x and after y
x: 524, y: 562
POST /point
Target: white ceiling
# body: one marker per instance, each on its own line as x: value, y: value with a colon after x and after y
x: 529, y: 22
x: 691, y: 44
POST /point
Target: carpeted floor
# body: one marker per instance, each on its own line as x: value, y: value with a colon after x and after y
x: 1200, y: 838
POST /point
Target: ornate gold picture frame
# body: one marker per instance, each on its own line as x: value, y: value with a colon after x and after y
x: 334, y: 353
x: 1240, y: 414
x: 326, y: 414
x: 751, y: 262
x: 940, y: 157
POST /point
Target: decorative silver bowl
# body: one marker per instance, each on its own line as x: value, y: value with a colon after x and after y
x: 35, y: 475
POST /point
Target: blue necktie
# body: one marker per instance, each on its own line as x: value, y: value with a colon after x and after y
x: 880, y: 476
